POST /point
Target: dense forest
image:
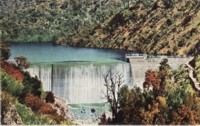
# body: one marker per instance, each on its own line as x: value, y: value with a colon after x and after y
x: 23, y: 100
x: 46, y: 20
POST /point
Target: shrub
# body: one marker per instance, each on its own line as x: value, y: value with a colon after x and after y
x: 47, y: 109
x: 104, y: 120
x: 30, y: 118
x: 185, y: 115
x: 10, y: 85
x: 37, y: 105
x: 33, y: 102
x: 50, y: 97
x: 12, y: 70
x: 32, y: 85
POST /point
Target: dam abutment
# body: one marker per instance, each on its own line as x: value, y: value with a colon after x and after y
x: 140, y: 63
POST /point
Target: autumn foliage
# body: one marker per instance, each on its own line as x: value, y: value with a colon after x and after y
x: 38, y: 105
x: 152, y: 80
x: 33, y: 102
x: 12, y: 70
x: 47, y: 109
x: 187, y: 113
x: 26, y: 90
x: 167, y: 98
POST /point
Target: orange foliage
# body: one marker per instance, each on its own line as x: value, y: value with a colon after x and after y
x: 12, y: 70
x: 47, y: 109
x: 184, y: 115
x: 152, y: 79
x: 33, y: 102
x: 38, y: 105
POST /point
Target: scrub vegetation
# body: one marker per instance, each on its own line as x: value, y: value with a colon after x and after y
x: 22, y: 97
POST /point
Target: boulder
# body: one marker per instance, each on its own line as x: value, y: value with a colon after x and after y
x: 11, y: 117
x: 61, y: 107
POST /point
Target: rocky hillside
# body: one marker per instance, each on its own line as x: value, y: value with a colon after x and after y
x: 149, y: 26
x: 45, y: 20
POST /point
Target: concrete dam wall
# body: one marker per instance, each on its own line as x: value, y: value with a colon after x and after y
x: 141, y: 63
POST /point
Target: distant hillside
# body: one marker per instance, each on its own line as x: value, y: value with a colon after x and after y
x: 149, y: 26
x: 45, y: 20
x: 7, y: 6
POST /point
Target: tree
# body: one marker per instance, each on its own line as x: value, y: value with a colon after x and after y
x: 157, y: 79
x: 22, y: 62
x: 5, y: 51
x: 164, y: 65
x: 50, y: 97
x: 152, y: 79
x: 113, y: 83
x: 32, y: 85
x: 164, y: 74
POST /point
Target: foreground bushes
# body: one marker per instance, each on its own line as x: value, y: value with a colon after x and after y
x: 12, y: 70
x: 30, y: 118
x: 19, y: 88
x: 32, y: 85
x: 39, y: 106
x: 10, y: 85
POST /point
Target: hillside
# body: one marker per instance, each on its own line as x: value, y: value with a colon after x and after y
x: 7, y: 6
x: 23, y: 100
x: 45, y: 20
x: 154, y: 26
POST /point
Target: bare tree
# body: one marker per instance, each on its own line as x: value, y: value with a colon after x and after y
x: 113, y: 83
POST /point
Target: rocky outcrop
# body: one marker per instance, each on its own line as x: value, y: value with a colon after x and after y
x: 61, y: 106
x: 11, y: 117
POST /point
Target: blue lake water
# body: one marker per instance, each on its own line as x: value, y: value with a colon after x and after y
x: 48, y: 52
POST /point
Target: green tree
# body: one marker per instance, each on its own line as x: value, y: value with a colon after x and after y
x: 5, y: 51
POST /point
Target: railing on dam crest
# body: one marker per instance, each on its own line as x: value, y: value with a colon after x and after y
x: 145, y: 56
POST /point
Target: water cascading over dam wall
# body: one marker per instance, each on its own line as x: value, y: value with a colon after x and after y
x: 78, y: 83
x: 141, y: 63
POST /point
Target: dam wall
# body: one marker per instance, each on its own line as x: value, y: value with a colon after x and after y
x: 78, y: 82
x: 141, y: 63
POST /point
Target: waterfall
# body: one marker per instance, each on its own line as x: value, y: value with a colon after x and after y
x: 78, y: 83
x: 44, y: 74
